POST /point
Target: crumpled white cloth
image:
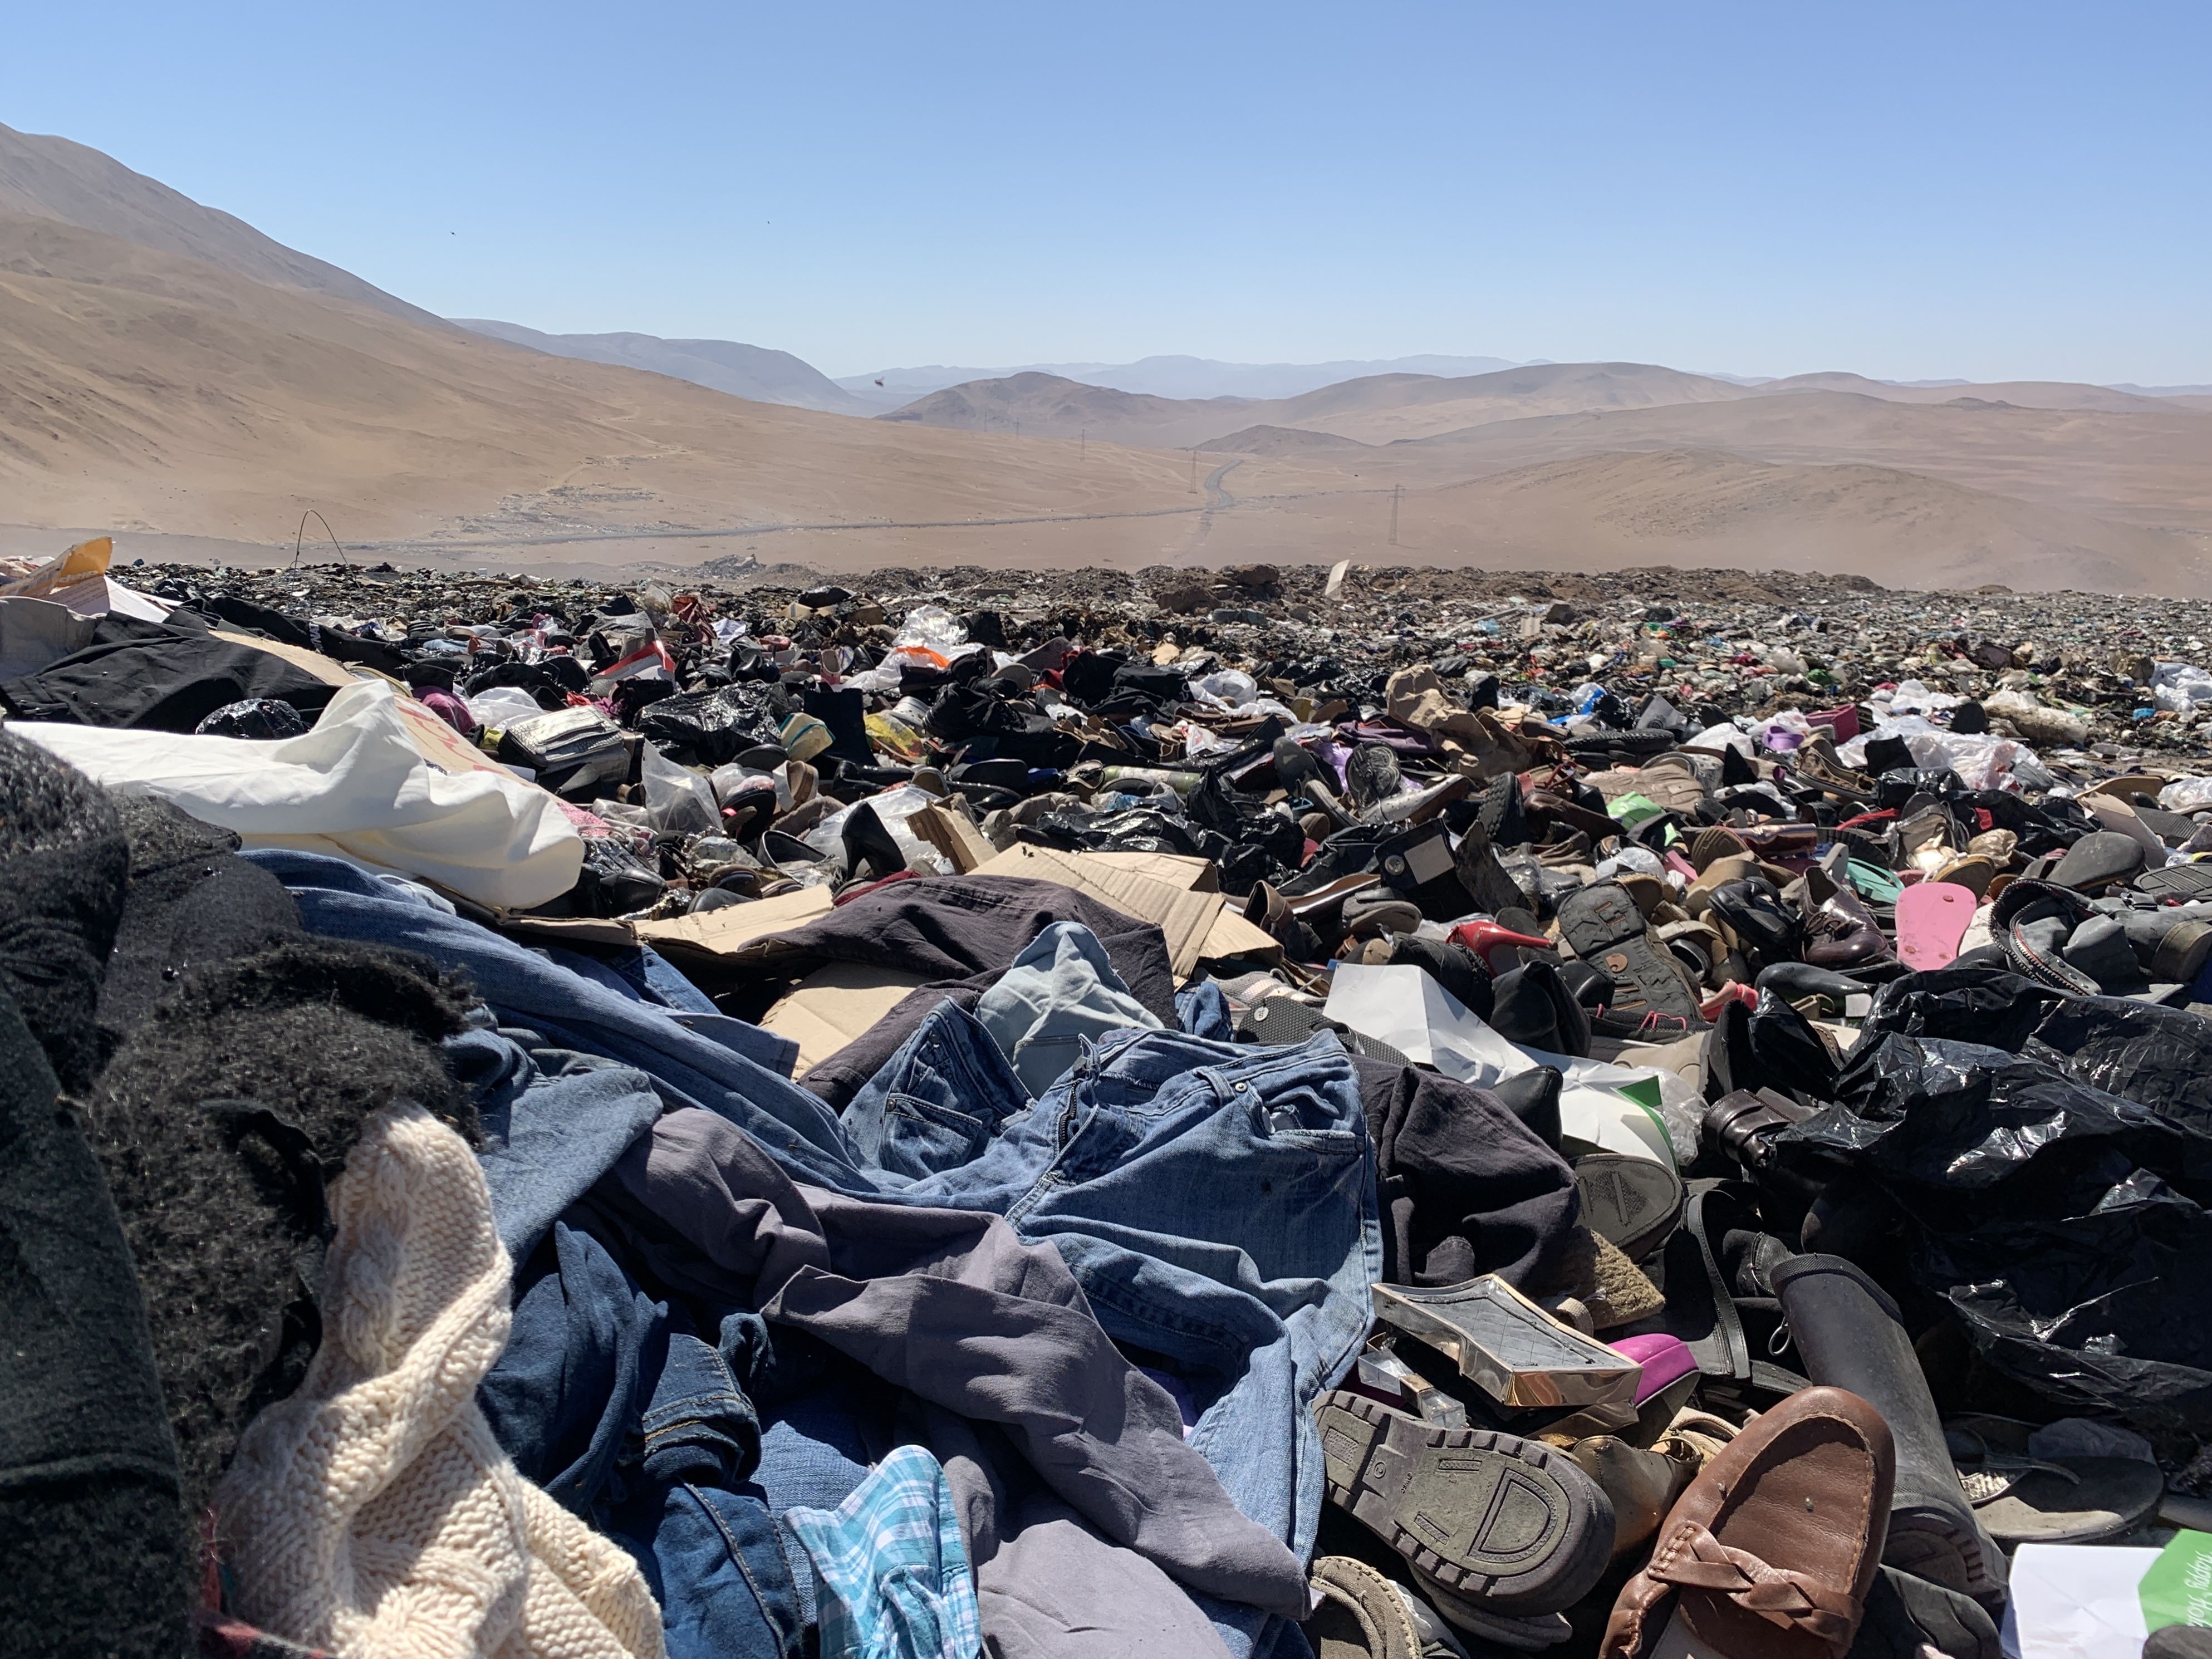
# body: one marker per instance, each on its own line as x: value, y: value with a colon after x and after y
x: 355, y: 786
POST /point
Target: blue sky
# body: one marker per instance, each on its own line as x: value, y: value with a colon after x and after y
x: 1981, y: 190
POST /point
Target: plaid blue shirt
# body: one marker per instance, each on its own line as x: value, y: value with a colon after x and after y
x: 894, y: 1576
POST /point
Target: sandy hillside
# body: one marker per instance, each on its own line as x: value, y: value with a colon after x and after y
x: 168, y: 373
x: 156, y: 393
x: 1047, y: 407
x: 2151, y: 466
x: 54, y: 178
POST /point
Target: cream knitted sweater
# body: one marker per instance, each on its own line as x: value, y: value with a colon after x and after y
x: 373, y: 1513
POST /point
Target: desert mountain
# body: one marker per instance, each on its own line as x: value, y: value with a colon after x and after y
x: 1377, y: 409
x: 1280, y: 440
x: 148, y: 392
x: 764, y: 376
x: 2021, y: 394
x: 1047, y: 407
x: 54, y: 178
x: 1169, y: 376
x: 178, y: 376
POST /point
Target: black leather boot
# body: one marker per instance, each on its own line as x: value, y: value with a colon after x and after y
x: 1849, y: 1334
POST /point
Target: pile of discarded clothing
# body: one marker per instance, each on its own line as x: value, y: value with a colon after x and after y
x: 643, y: 1126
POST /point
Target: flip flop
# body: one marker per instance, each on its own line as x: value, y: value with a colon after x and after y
x: 1932, y: 917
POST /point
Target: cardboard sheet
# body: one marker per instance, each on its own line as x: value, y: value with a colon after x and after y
x: 835, y: 1005
x: 735, y: 925
x: 949, y: 831
x: 1186, y: 918
x: 1193, y: 875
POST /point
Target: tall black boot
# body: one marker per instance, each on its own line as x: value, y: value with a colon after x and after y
x: 1849, y: 1335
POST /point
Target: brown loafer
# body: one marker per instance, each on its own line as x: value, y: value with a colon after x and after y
x: 1769, y: 1553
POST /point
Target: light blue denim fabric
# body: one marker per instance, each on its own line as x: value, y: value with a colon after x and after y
x: 1217, y: 1204
x: 1202, y: 1010
x: 554, y: 1121
x: 642, y: 974
x: 1060, y: 995
x: 939, y: 1101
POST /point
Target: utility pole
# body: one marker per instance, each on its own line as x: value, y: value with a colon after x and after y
x: 1397, y: 491
x: 1193, y: 469
x: 1082, y: 443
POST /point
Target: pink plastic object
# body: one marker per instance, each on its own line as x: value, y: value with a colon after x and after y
x: 1932, y: 917
x: 1664, y: 1358
x: 1843, y: 722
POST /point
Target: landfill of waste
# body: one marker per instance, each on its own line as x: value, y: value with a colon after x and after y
x: 1254, y: 1113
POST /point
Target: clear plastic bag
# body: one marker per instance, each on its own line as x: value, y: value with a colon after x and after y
x: 678, y: 800
x: 930, y: 635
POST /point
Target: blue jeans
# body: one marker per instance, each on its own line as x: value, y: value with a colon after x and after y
x: 652, y: 1436
x: 1215, y: 1202
x: 729, y: 1068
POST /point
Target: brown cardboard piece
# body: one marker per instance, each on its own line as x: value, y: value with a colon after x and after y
x: 949, y: 831
x: 836, y: 1004
x: 1232, y: 936
x: 1186, y: 918
x: 1193, y: 875
x: 726, y: 930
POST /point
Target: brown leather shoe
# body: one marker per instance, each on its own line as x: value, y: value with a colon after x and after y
x: 1771, y: 1552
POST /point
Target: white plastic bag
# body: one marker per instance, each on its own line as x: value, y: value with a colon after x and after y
x: 356, y: 786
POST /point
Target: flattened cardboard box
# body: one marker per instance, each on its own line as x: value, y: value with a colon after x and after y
x: 726, y: 930
x: 1186, y: 918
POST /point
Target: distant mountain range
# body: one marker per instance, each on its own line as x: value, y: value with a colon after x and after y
x: 759, y: 373
x: 167, y: 371
x: 1168, y: 377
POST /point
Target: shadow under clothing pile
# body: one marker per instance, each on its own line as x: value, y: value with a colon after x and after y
x: 1100, y: 1309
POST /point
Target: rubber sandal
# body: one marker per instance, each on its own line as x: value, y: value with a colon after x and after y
x: 1932, y: 917
x: 1485, y: 1514
x: 2021, y: 1499
x: 2183, y: 882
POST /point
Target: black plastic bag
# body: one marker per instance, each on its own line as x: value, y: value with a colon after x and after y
x: 265, y: 719
x: 2063, y: 1224
x: 713, y: 728
x: 2159, y: 1057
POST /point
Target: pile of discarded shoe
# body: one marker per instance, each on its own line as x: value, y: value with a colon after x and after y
x: 550, y: 1120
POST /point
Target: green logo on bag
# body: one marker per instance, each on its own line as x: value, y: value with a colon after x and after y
x: 2178, y: 1588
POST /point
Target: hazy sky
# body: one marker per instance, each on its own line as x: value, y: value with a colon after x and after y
x: 1992, y: 191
